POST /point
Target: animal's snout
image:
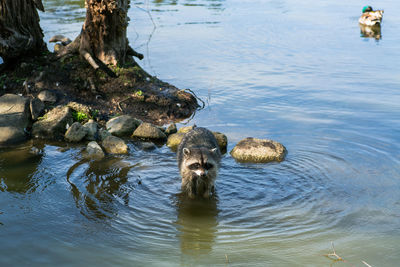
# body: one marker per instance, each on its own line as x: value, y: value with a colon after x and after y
x: 201, y: 173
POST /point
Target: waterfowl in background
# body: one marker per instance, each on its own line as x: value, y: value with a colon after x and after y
x: 370, y: 17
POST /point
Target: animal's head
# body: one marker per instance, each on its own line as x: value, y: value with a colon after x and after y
x: 201, y: 162
x: 367, y: 9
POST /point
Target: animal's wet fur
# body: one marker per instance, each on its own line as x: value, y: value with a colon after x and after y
x: 198, y: 161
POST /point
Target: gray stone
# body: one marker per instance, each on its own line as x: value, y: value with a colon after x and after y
x: 93, y: 150
x: 37, y: 108
x: 115, y: 145
x: 53, y: 125
x: 258, y: 151
x: 149, y: 131
x: 48, y: 97
x: 75, y: 133
x: 14, y: 119
x: 146, y: 146
x: 122, y: 125
x: 91, y: 127
x: 171, y: 129
x: 102, y: 134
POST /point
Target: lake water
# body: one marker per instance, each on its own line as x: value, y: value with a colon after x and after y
x: 298, y: 72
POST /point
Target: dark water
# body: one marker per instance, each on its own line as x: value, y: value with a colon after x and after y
x: 296, y: 72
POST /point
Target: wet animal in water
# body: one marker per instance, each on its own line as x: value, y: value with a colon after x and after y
x: 199, y: 159
x: 371, y: 17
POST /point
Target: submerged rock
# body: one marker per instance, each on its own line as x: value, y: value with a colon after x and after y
x: 115, y: 145
x: 76, y: 132
x: 149, y: 131
x: 14, y: 119
x: 122, y: 125
x: 94, y: 150
x: 53, y: 125
x: 258, y: 151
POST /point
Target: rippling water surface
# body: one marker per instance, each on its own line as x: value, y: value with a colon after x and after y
x: 296, y: 72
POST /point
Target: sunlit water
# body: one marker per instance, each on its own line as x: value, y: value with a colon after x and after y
x: 298, y: 72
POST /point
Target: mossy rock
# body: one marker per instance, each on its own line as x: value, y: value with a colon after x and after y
x: 222, y: 141
x: 174, y: 140
x: 256, y: 150
x: 186, y: 129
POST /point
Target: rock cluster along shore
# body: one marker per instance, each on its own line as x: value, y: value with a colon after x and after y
x: 22, y: 118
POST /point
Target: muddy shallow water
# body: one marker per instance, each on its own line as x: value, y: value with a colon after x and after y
x: 298, y: 73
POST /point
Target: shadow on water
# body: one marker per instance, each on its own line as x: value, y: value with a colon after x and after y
x: 196, y: 226
x: 13, y: 178
x: 96, y: 186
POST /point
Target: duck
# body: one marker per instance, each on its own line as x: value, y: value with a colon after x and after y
x: 371, y: 17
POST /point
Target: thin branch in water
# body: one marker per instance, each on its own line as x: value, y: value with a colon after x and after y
x: 150, y: 36
x: 335, y: 257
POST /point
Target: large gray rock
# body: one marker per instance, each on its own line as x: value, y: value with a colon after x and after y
x: 93, y: 150
x: 53, y: 125
x: 122, y: 125
x: 114, y: 145
x: 76, y: 132
x: 91, y: 127
x: 37, y: 108
x: 47, y: 97
x: 14, y: 119
x: 149, y: 131
x: 258, y: 151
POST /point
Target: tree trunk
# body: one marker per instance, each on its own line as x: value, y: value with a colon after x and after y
x: 20, y: 32
x: 103, y: 40
x: 104, y: 31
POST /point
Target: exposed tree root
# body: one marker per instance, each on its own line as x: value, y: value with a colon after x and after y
x: 72, y: 48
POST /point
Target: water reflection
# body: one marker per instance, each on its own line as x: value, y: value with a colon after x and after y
x: 371, y: 31
x: 97, y: 185
x: 13, y: 178
x: 197, y: 225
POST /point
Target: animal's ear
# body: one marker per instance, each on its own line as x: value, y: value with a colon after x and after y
x: 186, y: 152
x: 213, y: 150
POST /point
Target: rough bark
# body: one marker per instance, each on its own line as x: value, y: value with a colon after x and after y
x: 103, y: 40
x: 20, y: 32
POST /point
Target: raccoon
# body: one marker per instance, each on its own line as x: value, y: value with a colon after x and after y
x: 199, y: 159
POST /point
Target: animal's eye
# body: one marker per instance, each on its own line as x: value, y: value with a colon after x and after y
x: 208, y: 166
x: 194, y: 166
